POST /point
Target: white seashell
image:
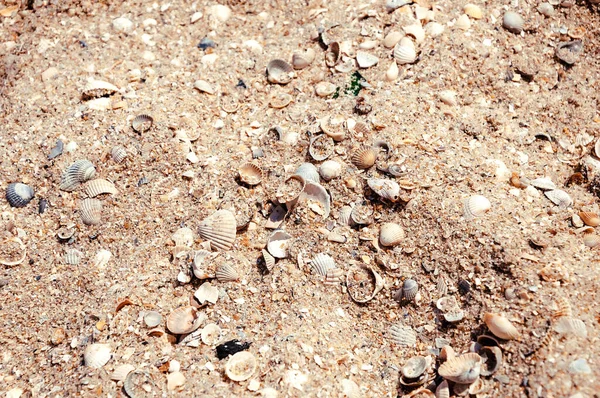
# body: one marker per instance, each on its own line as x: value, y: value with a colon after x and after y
x: 363, y: 283
x: 269, y: 260
x: 73, y: 256
x: 142, y: 123
x: 316, y: 192
x: 304, y: 59
x: 203, y: 266
x: 321, y: 147
x: 102, y: 258
x: 279, y: 100
x: 183, y: 237
x: 476, y: 206
x: 473, y: 11
x: 546, y: 9
x: 350, y: 389
x: 308, y: 172
x: 543, y: 183
x: 404, y: 54
x: 325, y: 89
x: 591, y: 240
x: 322, y: 263
x: 99, y: 186
x: 122, y: 24
x: 434, y: 29
x: 330, y: 169
x: 211, y: 333
x: 280, y: 72
x: 226, y: 273
x: 18, y: 194
x: 570, y: 326
x: 175, y: 381
x: 500, y: 326
x: 121, y: 372
x: 74, y: 175
x: 152, y: 319
x: 250, y: 174
x: 447, y: 303
x: 220, y: 229
x: 97, y: 355
x: 241, y: 366
x: 392, y: 72
x: 410, y: 289
x: 98, y: 88
x: 392, y: 38
x: 463, y: 369
x: 463, y: 22
x: 207, y: 293
x: 91, y: 211
x: 184, y: 320
x: 278, y: 244
x: 119, y: 154
x: 403, y: 335
x: 454, y: 315
x: 334, y: 127
x: 415, y: 367
x: 204, y: 87
x: 416, y: 31
x: 387, y: 189
x: 448, y: 97
x: 345, y: 215
x: 391, y: 234
x: 559, y: 198
x: 513, y: 22
x: 366, y: 60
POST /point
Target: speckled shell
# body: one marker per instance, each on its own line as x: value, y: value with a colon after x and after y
x: 403, y: 335
x: 391, y: 234
x: 500, y: 326
x: 308, y: 172
x: 322, y: 263
x: 97, y: 355
x: 98, y: 88
x: 492, y: 359
x: 250, y: 174
x: 77, y: 173
x: 99, y: 186
x: 279, y: 71
x: 404, y: 54
x: 330, y: 169
x: 589, y: 218
x: 463, y: 369
x: 226, y: 273
x: 73, y: 256
x: 220, y: 229
x: 278, y: 243
x: 184, y: 320
x: 241, y: 366
x: 142, y: 123
x: 476, y: 206
x: 364, y: 158
x: 91, y: 211
x: 321, y: 147
x: 410, y: 288
x: 118, y: 153
x: 19, y: 194
x: 387, y: 189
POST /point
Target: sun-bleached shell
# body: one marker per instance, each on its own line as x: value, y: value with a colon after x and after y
x: 363, y: 283
x: 392, y: 38
x: 454, y: 315
x: 416, y: 31
x: 142, y: 123
x: 308, y: 172
x: 333, y: 276
x: 279, y: 71
x: 73, y: 256
x: 203, y: 265
x: 152, y: 319
x: 102, y: 258
x: 403, y: 335
x: 97, y: 355
x: 220, y: 229
x: 98, y: 88
x: 404, y: 54
x: 184, y: 320
x: 316, y: 192
x: 570, y: 326
x: 345, y: 215
x: 325, y: 89
x: 280, y: 100
x: 183, y: 237
x: 500, y: 326
x: 448, y: 97
x: 119, y: 153
x: 350, y: 389
x: 492, y: 360
x: 322, y: 263
x: 365, y: 59
x: 77, y: 173
x: 19, y: 194
x: 543, y: 183
x: 334, y: 126
x: 99, y: 186
x: 386, y: 189
x: 207, y: 293
x: 476, y: 206
x: 226, y: 273
x: 210, y: 334
x: 241, y: 366
x: 91, y: 211
x: 391, y: 234
x: 473, y: 11
x: 463, y: 369
x: 364, y: 158
x: 303, y: 59
x: 121, y: 372
x: 278, y: 243
x: 250, y: 173
x: 392, y: 72
x: 559, y: 198
x: 591, y: 240
x: 321, y: 147
x: 463, y: 22
x: 330, y: 169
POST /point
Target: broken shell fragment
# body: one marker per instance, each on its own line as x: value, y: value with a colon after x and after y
x: 334, y: 276
x: 118, y: 153
x: 241, y: 366
x: 476, y: 206
x: 543, y: 183
x: 386, y: 189
x: 304, y: 59
x: 278, y: 244
x: 220, y: 229
x: 321, y: 147
x: 211, y: 333
x: 473, y: 11
x: 334, y: 126
x: 207, y: 293
x: 325, y: 89
x: 362, y: 213
x: 142, y: 123
x: 366, y: 60
x: 442, y: 390
x: 250, y: 174
x: 269, y: 260
x: 279, y: 71
x: 97, y: 355
x: 364, y: 158
x: 308, y: 172
x: 492, y: 359
x: 121, y: 372
x: 559, y: 198
x: 322, y: 263
x: 570, y: 326
x: 91, y: 211
x: 73, y: 256
x: 569, y: 52
x: 289, y: 192
x: 226, y: 273
x: 79, y: 172
x: 99, y: 186
x: 98, y: 88
x: 139, y: 382
x: 317, y: 193
x: 500, y: 326
x: 19, y: 194
x: 391, y: 234
x: 403, y: 335
x: 589, y: 218
x: 280, y: 100
x: 332, y: 55
x: 13, y: 252
x: 463, y: 369
x: 363, y: 283
x: 184, y: 320
x: 454, y: 315
x: 201, y: 266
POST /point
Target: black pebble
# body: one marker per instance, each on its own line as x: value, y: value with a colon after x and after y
x: 231, y: 347
x: 464, y: 287
x: 42, y: 206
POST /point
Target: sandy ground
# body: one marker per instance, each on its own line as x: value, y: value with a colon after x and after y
x: 514, y: 108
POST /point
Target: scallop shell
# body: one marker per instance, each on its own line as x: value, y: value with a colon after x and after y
x: 152, y: 319
x: 211, y: 333
x: 250, y: 174
x: 119, y: 153
x: 570, y: 326
x: 500, y: 326
x: 476, y: 206
x: 121, y: 372
x: 316, y: 192
x: 333, y: 53
x: 387, y: 189
x: 184, y: 320
x: 410, y: 288
x: 589, y: 218
x: 241, y: 366
x: 403, y: 335
x: 543, y: 183
x: 321, y: 147
x: 559, y: 198
x: 77, y: 173
x: 415, y: 367
x: 364, y: 158
x: 73, y: 256
x: 142, y: 123
x: 268, y: 259
x: 463, y: 369
x: 391, y: 234
x: 513, y: 22
x: 322, y: 263
x: 330, y: 169
x: 226, y: 273
x: 278, y: 243
x: 91, y: 211
x: 99, y: 186
x: 304, y: 59
x: 404, y: 54
x: 363, y: 283
x: 98, y: 88
x: 220, y: 229
x: 139, y: 384
x: 19, y: 194
x: 97, y: 355
x: 280, y: 72
x: 308, y: 172
x: 492, y: 359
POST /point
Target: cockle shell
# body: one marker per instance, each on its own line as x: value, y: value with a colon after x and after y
x: 403, y: 335
x: 387, y: 189
x: 364, y: 158
x: 268, y: 259
x: 241, y: 366
x: 118, y: 153
x: 96, y: 355
x: 591, y: 240
x: 142, y: 123
x: 250, y: 173
x: 121, y: 372
x: 91, y: 211
x: 98, y: 88
x: 308, y: 172
x: 226, y: 273
x: 334, y: 276
x: 345, y: 215
x: 334, y: 127
x: 77, y: 173
x: 73, y: 256
x: 99, y: 186
x: 363, y: 283
x: 19, y: 194
x: 500, y: 326
x: 415, y: 367
x: 410, y: 288
x: 279, y: 71
x: 322, y: 263
x: 184, y: 320
x: 492, y: 359
x: 304, y: 59
x: 330, y: 169
x: 278, y: 244
x: 463, y: 369
x: 559, y: 198
x: 442, y: 390
x: 404, y: 53
x: 220, y: 229
x: 321, y: 147
x: 589, y: 218
x: 476, y: 206
x: 391, y: 234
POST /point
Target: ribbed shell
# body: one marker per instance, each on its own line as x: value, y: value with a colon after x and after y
x: 334, y: 276
x: 559, y: 198
x: 364, y: 158
x: 278, y: 243
x: 330, y: 169
x: 120, y: 373
x: 403, y: 335
x: 97, y: 355
x: 344, y: 216
x: 226, y: 273
x: 183, y: 320
x: 387, y: 189
x: 98, y: 88
x: 322, y: 263
x: 142, y: 123
x: 279, y: 71
x: 220, y: 229
x: 91, y: 211
x: 463, y: 369
x: 410, y: 288
x: 442, y: 390
x: 250, y: 174
x: 570, y: 326
x: 73, y: 256
x: 269, y: 260
x: 591, y: 240
x: 589, y: 218
x: 19, y: 194
x: 308, y: 172
x: 304, y: 59
x: 99, y: 186
x: 404, y: 54
x: 476, y: 206
x: 77, y: 173
x: 321, y: 147
x: 119, y: 153
x: 500, y: 326
x: 391, y: 234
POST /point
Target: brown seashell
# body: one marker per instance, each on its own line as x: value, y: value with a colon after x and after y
x: 364, y: 158
x: 91, y: 211
x: 464, y: 369
x: 99, y: 186
x: 220, y: 229
x: 142, y: 123
x: 516, y: 182
x: 184, y: 320
x: 500, y: 326
x: 250, y: 174
x: 446, y: 353
x: 589, y: 218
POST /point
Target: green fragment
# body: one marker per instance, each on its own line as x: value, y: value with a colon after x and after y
x: 356, y: 84
x: 337, y: 93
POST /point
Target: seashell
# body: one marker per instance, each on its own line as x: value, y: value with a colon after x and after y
x: 304, y: 59
x: 269, y: 260
x: 201, y: 267
x: 332, y: 55
x: 569, y: 52
x: 316, y: 192
x: 250, y: 174
x: 363, y: 283
x: 118, y: 153
x: 454, y: 315
x: 500, y: 326
x: 463, y: 22
x: 325, y: 89
x: 392, y: 72
x: 492, y: 359
x: 207, y: 293
x: 391, y: 234
x: 421, y: 393
x: 392, y: 38
x: 590, y: 219
x: 364, y: 158
x: 362, y: 129
x: 204, y: 87
x: 580, y: 366
x: 366, y: 60
x: 97, y: 355
x: 513, y: 22
x: 175, y: 381
x: 543, y: 183
x: 184, y: 320
x: 121, y: 372
x: 446, y: 353
x: 102, y: 258
x: 476, y: 206
x: 546, y: 9
x: 404, y: 54
x: 91, y: 211
x: 321, y: 147
x: 345, y: 216
x: 448, y: 97
x: 139, y: 384
x: 391, y: 5
x: 99, y: 186
x: 280, y: 100
x: 434, y: 29
x: 322, y: 263
x: 152, y: 319
x: 142, y: 123
x: 289, y: 192
x: 308, y: 172
x: 279, y: 71
x: 559, y: 198
x: 403, y: 335
x: 350, y: 389
x: 415, y: 367
x: 416, y: 31
x: 473, y: 11
x: 333, y: 276
x: 362, y: 214
x: 570, y: 326
x: 79, y: 172
x: 73, y: 256
x: 226, y: 273
x: 278, y: 243
x: 183, y: 237
x: 409, y: 289
x: 220, y: 229
x: 478, y: 387
x: 442, y: 390
x: 333, y: 126
x: 211, y: 333
x: 19, y: 194
x: 386, y: 189
x: 241, y: 366
x: 57, y: 150
x: 463, y: 369
x: 330, y: 169
x: 486, y: 340
x: 98, y: 88
x: 563, y: 308
x: 597, y: 148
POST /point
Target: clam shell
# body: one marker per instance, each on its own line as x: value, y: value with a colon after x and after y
x: 241, y: 366
x: 366, y: 60
x: 403, y: 335
x: 269, y: 260
x: 559, y: 198
x: 99, y: 186
x: 121, y: 372
x: 473, y: 11
x: 500, y: 326
x: 152, y: 319
x: 73, y: 256
x: 415, y: 367
x: 570, y: 326
x: 455, y: 315
x: 308, y: 172
x: 321, y: 147
x: 96, y: 355
x: 91, y: 211
x: 226, y: 273
x: 392, y: 38
x: 330, y: 169
x: 139, y: 384
x: 442, y: 390
x: 591, y: 240
x: 211, y: 333
x: 387, y: 189
x: 325, y: 89
x: 404, y: 54
x: 322, y: 263
x: 98, y: 88
x: 316, y: 192
x: 207, y: 293
x: 280, y: 100
x: 589, y: 218
x: 332, y: 55
x: 278, y: 243
x: 485, y: 340
x: 304, y: 59
x: 334, y: 127
x: 279, y: 71
x: 364, y: 158
x: 220, y: 229
x: 142, y: 123
x: 19, y: 194
x: 410, y: 289
x: 363, y: 283
x: 118, y: 153
x: 250, y: 174
x: 543, y: 183
x: 184, y: 320
x: 77, y: 173
x: 204, y: 87
x: 478, y: 387
x: 492, y: 359
x: 476, y: 206
x: 463, y: 369
x: 513, y: 22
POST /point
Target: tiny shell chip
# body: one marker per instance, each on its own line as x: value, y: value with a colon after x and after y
x: 513, y: 22
x: 226, y: 273
x: 142, y: 123
x: 97, y: 355
x: 322, y: 263
x: 99, y: 186
x: 278, y: 243
x: 210, y: 334
x: 500, y: 326
x: 184, y: 320
x: 241, y: 366
x: 386, y: 189
x: 119, y: 153
x: 330, y: 169
x: 476, y: 206
x: 403, y: 335
x: 363, y: 283
x: 308, y: 172
x: 121, y: 372
x: 321, y: 147
x: 91, y: 211
x: 364, y: 158
x: 463, y: 369
x: 570, y: 326
x: 73, y: 256
x: 279, y: 71
x: 152, y: 319
x: 414, y: 367
x: 102, y: 258
x: 559, y: 198
x: 98, y: 88
x: 75, y: 174
x: 220, y: 229
x: 204, y: 87
x: 18, y: 194
x: 250, y: 174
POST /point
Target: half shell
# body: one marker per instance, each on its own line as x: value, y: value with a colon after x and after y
x: 241, y: 366
x: 476, y: 206
x: 334, y: 127
x: 98, y: 88
x: 322, y: 263
x: 77, y: 173
x: 152, y: 319
x: 220, y: 229
x: 570, y: 326
x: 404, y: 54
x: 332, y: 55
x: 410, y: 288
x: 316, y: 192
x: 500, y: 326
x: 308, y: 172
x: 210, y: 334
x: 492, y: 359
x: 118, y: 153
x: 121, y: 372
x: 97, y: 355
x: 403, y: 335
x: 250, y: 174
x: 278, y: 243
x: 91, y: 211
x: 142, y: 123
x: 268, y: 259
x: 391, y: 234
x: 363, y: 283
x: 19, y: 194
x: 73, y: 256
x: 364, y: 158
x: 463, y: 369
x: 589, y: 218
x: 321, y: 147
x: 304, y: 59
x: 387, y: 189
x: 280, y: 72
x: 99, y: 186
x: 184, y: 320
x: 414, y: 367
x: 226, y: 273
x: 559, y: 198
x: 330, y: 169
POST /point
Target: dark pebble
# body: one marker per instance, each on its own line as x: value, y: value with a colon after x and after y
x: 231, y: 347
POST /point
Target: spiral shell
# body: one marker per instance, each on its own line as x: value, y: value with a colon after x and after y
x: 308, y: 172
x: 99, y: 186
x: 391, y: 234
x: 241, y: 366
x: 97, y: 355
x: 119, y: 153
x: 19, y: 194
x: 463, y: 369
x: 321, y: 147
x: 142, y: 123
x: 220, y: 229
x: 386, y: 189
x: 322, y: 263
x: 279, y: 71
x: 364, y: 158
x: 250, y: 174
x: 77, y: 173
x: 184, y: 320
x: 226, y: 273
x: 500, y: 326
x: 91, y: 211
x: 476, y: 206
